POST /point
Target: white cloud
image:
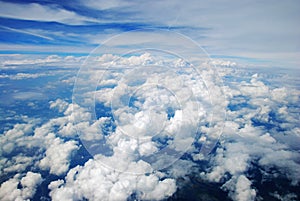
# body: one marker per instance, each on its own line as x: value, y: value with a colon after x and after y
x: 58, y: 155
x: 105, y: 5
x: 224, y: 28
x: 51, y: 60
x: 60, y: 104
x: 242, y: 190
x: 93, y: 181
x: 29, y: 184
x: 17, y: 163
x: 28, y: 95
x: 16, y: 135
x: 126, y: 164
x: 223, y: 63
x: 161, y: 190
x: 29, y: 32
x: 243, y: 142
x: 246, y: 141
x: 9, y: 189
x: 214, y: 25
x: 155, y: 93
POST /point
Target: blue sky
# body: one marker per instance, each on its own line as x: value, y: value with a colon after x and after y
x: 264, y: 33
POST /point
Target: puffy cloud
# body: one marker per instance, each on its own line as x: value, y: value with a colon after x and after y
x: 240, y: 190
x: 151, y: 120
x: 20, y: 76
x: 58, y: 155
x: 233, y: 161
x: 60, y: 104
x: 153, y: 97
x: 17, y: 163
x: 16, y: 61
x: 244, y: 142
x: 9, y: 190
x: 16, y: 135
x: 94, y: 181
x: 26, y: 138
x: 141, y: 105
x: 162, y: 189
x: 29, y: 184
x: 223, y: 63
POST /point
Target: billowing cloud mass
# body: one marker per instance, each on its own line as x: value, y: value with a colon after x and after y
x: 111, y: 185
x: 10, y: 191
x: 136, y: 130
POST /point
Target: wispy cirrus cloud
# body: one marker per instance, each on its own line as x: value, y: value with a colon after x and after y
x: 26, y: 32
x: 38, y: 12
x: 266, y: 32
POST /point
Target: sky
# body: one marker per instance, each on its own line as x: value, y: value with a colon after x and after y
x: 262, y: 32
x: 149, y: 100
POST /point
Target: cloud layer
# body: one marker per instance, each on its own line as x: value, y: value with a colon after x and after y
x: 156, y: 117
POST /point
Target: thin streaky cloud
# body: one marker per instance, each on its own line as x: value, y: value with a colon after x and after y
x: 39, y: 12
x: 26, y: 32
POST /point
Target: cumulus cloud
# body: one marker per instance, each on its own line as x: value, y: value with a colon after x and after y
x: 16, y: 163
x: 145, y: 124
x: 29, y: 183
x: 9, y: 190
x: 240, y: 189
x: 93, y: 181
x: 58, y: 156
x: 244, y: 142
x: 30, y: 137
x: 131, y: 155
x: 141, y: 105
x: 15, y: 135
x: 51, y: 60
x: 20, y: 76
x: 223, y: 63
x: 60, y: 104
